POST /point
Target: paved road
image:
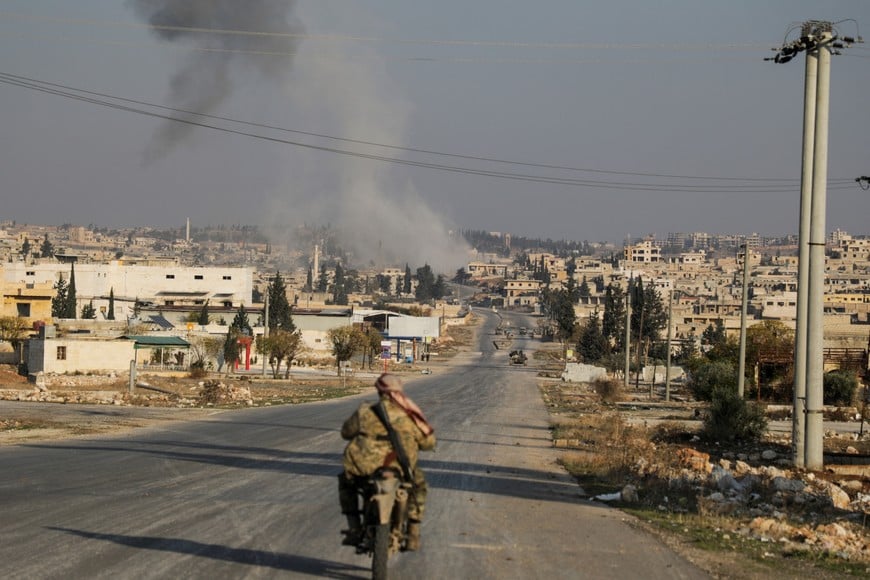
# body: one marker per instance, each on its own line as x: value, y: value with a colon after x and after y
x: 252, y: 494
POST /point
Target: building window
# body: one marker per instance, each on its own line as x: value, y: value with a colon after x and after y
x: 228, y: 277
x: 30, y: 273
x: 170, y: 276
x: 23, y: 309
x: 197, y: 277
x: 61, y: 353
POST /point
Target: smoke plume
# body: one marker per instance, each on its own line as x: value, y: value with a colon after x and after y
x: 347, y: 89
x: 229, y: 35
x: 334, y: 87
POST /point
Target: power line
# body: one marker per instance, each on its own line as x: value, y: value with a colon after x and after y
x: 646, y: 48
x: 375, y: 39
x: 402, y: 148
x: 421, y: 59
x: 81, y: 95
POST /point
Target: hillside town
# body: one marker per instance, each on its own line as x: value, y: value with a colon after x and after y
x: 184, y: 287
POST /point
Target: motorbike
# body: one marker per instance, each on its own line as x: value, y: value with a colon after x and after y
x: 384, y: 518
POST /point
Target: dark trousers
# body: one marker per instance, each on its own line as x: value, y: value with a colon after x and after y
x: 348, y: 496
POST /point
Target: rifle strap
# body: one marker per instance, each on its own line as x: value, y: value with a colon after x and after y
x: 399, y: 449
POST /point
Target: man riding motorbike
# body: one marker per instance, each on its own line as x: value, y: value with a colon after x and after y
x: 369, y: 449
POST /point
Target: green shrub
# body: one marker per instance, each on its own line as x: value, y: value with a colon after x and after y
x: 711, y: 377
x: 732, y: 419
x: 840, y: 387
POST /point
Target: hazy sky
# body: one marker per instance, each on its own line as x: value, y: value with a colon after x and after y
x: 625, y: 89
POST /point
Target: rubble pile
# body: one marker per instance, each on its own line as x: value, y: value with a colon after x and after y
x: 43, y: 395
x: 219, y: 393
x: 801, y: 510
x: 56, y: 381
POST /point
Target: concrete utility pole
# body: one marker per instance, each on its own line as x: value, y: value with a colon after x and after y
x: 627, y: 335
x: 670, y: 332
x: 266, y: 330
x: 741, y: 366
x: 800, y: 339
x: 813, y: 444
x: 820, y: 40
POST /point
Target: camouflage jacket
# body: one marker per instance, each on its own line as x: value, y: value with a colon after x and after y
x: 369, y: 444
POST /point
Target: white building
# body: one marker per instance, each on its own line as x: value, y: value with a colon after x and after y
x: 71, y: 354
x: 164, y: 285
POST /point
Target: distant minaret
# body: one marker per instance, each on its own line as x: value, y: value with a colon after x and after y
x: 316, y: 269
x: 187, y: 232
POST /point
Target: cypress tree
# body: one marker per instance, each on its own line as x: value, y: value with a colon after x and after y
x: 111, y: 314
x: 70, y: 307
x: 203, y: 315
x: 280, y: 316
x: 240, y: 322
x: 406, y: 284
x: 58, y: 303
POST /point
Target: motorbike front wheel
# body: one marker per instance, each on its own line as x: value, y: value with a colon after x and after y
x: 381, y: 552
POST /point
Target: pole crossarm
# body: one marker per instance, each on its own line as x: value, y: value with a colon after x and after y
x: 814, y: 34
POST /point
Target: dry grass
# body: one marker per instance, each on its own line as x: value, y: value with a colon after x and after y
x: 611, y: 449
x: 27, y: 424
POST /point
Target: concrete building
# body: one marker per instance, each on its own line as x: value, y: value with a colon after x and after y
x: 71, y: 354
x: 522, y: 292
x: 76, y: 353
x: 164, y: 285
x: 645, y: 252
x: 486, y: 270
x: 31, y: 301
x: 856, y: 249
x: 692, y: 258
x: 779, y: 306
x: 699, y: 240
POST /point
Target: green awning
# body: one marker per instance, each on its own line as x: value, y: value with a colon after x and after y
x: 144, y: 341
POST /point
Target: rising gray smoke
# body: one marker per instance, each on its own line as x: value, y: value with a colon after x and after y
x: 346, y: 87
x: 380, y: 213
x: 204, y: 79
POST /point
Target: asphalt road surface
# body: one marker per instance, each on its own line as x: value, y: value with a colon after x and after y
x: 252, y: 494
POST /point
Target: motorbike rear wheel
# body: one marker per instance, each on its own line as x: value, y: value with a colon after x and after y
x: 381, y: 552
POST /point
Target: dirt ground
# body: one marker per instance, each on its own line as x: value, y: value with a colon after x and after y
x: 78, y: 405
